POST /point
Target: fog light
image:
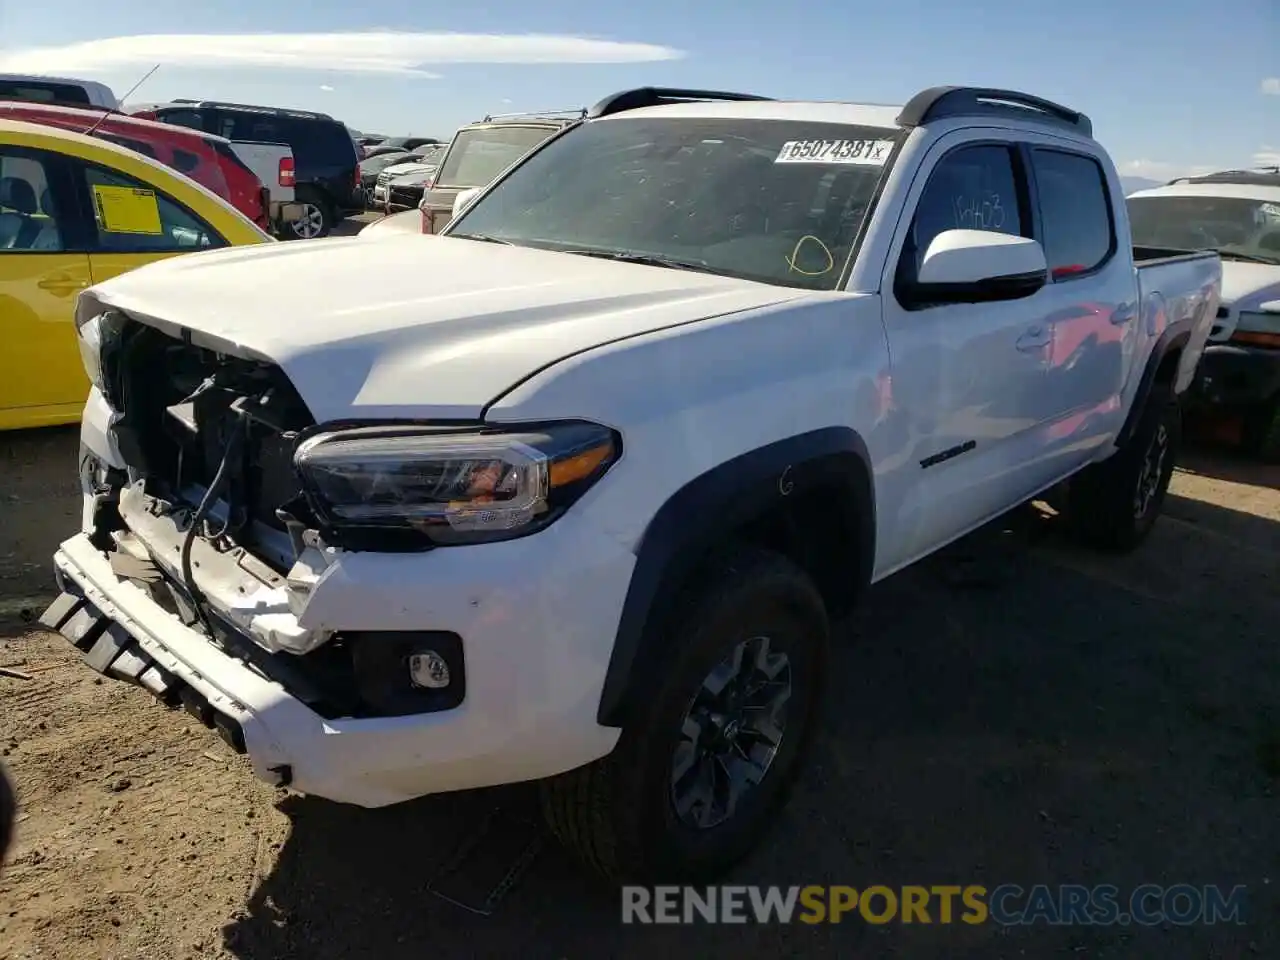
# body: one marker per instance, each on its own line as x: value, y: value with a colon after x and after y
x: 429, y: 670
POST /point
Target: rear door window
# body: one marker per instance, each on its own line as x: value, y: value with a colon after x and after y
x: 1075, y: 210
x: 481, y: 153
x: 134, y: 217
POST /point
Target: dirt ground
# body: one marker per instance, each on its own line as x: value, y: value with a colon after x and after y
x: 1014, y: 712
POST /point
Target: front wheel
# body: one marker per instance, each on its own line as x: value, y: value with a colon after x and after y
x: 1113, y: 505
x: 699, y: 774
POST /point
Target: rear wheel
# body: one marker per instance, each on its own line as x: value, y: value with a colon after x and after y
x: 699, y: 774
x: 316, y: 220
x: 1114, y: 504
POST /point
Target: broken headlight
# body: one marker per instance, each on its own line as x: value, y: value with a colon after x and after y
x: 451, y: 486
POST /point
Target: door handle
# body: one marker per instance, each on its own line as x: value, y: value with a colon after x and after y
x: 1122, y: 314
x: 1037, y: 338
x: 61, y: 283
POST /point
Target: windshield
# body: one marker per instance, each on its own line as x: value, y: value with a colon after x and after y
x: 479, y: 154
x: 1229, y: 225
x: 769, y: 200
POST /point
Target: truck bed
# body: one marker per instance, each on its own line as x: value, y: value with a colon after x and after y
x: 1176, y: 289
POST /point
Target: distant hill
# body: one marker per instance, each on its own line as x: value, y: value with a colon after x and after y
x: 1134, y: 184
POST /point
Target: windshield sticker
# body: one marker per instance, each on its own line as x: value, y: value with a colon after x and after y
x: 1270, y: 211
x: 869, y: 153
x: 127, y: 210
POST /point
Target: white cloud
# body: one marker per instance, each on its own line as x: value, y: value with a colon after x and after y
x: 1159, y: 170
x: 1267, y: 157
x: 326, y: 88
x: 1271, y: 85
x: 381, y: 52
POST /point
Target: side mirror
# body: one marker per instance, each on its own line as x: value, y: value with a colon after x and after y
x: 463, y: 198
x: 979, y: 266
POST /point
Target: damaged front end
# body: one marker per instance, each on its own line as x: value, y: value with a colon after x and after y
x: 209, y: 512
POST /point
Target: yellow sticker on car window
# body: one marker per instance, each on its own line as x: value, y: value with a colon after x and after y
x: 127, y: 210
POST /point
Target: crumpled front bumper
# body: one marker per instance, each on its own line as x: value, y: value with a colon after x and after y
x: 535, y: 646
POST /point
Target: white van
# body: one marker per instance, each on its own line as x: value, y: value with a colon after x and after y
x: 59, y: 90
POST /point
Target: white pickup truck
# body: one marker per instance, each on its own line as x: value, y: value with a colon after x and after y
x: 686, y: 380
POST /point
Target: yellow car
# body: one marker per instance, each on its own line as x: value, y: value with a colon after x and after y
x: 75, y: 211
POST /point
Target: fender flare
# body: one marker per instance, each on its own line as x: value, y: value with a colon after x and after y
x: 1174, y: 337
x: 707, y: 511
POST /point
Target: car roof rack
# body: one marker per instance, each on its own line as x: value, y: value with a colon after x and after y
x: 657, y: 96
x: 572, y: 113
x: 937, y: 103
x: 253, y: 108
x: 1256, y: 177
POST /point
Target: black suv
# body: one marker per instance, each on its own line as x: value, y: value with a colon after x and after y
x: 326, y: 164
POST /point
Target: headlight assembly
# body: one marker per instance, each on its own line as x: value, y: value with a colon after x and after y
x: 450, y: 487
x: 97, y: 330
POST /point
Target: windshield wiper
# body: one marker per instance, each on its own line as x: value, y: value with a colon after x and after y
x: 483, y: 238
x: 645, y: 259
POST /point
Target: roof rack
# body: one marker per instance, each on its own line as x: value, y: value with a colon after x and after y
x: 577, y: 113
x: 656, y: 96
x: 1257, y: 176
x: 937, y: 103
x: 253, y: 108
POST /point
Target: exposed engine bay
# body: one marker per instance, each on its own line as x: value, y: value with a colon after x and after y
x: 211, y: 508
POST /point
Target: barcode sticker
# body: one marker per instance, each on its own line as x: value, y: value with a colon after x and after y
x: 870, y: 153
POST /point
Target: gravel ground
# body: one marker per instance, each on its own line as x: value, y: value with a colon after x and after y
x: 1015, y: 711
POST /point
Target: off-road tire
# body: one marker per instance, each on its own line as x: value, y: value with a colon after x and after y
x: 1104, y: 502
x: 617, y: 815
x: 1262, y: 431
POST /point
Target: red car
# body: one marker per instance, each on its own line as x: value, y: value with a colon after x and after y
x: 205, y: 158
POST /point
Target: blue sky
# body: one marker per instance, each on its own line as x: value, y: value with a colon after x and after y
x: 1172, y: 85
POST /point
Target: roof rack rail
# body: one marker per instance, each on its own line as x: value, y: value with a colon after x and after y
x: 576, y: 112
x: 254, y: 108
x: 1256, y: 176
x: 936, y: 103
x: 655, y: 96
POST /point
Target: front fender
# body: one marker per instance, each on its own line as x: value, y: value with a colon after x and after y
x: 707, y: 512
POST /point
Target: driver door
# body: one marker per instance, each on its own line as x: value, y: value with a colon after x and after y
x: 967, y: 379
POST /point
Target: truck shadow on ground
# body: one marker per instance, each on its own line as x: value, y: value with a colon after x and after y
x: 1012, y: 712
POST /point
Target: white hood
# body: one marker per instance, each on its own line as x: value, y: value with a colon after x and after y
x: 398, y: 170
x: 411, y: 325
x: 1246, y: 285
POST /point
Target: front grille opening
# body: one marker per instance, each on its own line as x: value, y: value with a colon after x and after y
x: 181, y: 403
